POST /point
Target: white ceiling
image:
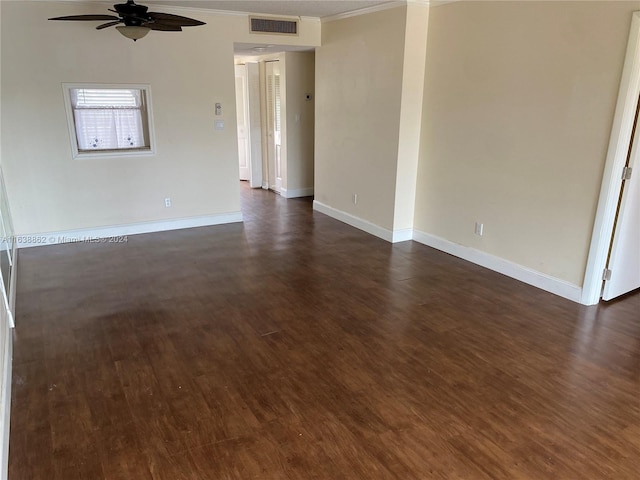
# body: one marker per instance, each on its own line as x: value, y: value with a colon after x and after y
x: 304, y: 8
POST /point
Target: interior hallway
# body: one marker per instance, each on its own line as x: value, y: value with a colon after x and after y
x: 296, y: 347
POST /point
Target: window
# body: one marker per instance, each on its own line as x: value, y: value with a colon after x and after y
x: 109, y: 120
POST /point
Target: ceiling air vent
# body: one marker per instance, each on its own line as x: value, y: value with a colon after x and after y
x: 273, y: 25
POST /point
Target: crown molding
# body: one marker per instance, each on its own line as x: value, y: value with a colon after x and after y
x: 376, y: 8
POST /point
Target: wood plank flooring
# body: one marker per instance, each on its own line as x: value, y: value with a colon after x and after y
x: 296, y: 347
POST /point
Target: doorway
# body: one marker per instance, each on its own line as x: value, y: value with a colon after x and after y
x: 276, y: 119
x: 259, y: 109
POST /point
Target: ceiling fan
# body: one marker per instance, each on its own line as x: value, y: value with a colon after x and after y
x: 136, y: 20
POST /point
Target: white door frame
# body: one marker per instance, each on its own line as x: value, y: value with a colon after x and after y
x: 274, y: 163
x: 616, y: 159
x: 255, y: 127
x: 244, y: 144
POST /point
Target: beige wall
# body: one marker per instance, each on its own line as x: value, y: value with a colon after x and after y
x: 519, y: 102
x: 299, y: 74
x: 358, y: 89
x: 188, y: 72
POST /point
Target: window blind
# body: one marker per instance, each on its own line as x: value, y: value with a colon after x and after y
x: 108, y: 119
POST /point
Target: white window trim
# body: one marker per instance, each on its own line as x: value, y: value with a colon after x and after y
x: 78, y: 155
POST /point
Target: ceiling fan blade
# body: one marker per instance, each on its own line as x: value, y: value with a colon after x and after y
x: 170, y: 19
x: 109, y: 24
x: 163, y: 28
x: 87, y: 17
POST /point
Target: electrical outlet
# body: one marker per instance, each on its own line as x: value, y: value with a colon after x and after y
x: 167, y: 202
x: 355, y: 198
x: 479, y: 229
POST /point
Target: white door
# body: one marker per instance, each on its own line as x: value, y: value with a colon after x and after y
x: 624, y: 261
x: 243, y: 123
x: 255, y: 124
x: 274, y: 131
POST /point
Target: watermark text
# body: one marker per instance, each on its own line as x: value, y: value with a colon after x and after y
x: 51, y: 239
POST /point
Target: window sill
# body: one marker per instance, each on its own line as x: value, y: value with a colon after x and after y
x: 124, y: 153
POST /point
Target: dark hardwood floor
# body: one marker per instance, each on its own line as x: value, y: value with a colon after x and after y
x: 296, y: 347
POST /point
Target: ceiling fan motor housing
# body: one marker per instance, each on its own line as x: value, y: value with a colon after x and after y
x: 133, y: 15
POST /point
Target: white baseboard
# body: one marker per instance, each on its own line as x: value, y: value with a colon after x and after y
x: 115, y: 231
x: 364, y: 225
x: 532, y: 277
x: 402, y: 235
x: 354, y: 221
x: 296, y: 193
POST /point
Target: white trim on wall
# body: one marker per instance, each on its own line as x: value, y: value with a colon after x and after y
x: 402, y: 235
x: 500, y: 265
x: 354, y: 221
x: 612, y: 176
x: 115, y: 232
x: 363, y: 11
x: 510, y: 269
x: 296, y: 193
x: 364, y: 225
x: 375, y: 8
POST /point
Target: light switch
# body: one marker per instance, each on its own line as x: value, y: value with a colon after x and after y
x: 218, y: 109
x: 219, y: 125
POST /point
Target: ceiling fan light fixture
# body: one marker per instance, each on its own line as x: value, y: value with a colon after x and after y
x: 132, y: 32
x: 135, y: 21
